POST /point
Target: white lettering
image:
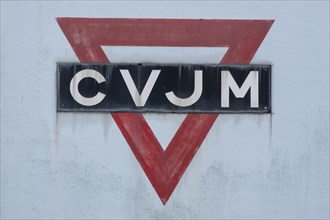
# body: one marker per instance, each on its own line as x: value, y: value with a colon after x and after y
x: 140, y: 100
x: 252, y: 81
x: 75, y: 91
x: 194, y: 97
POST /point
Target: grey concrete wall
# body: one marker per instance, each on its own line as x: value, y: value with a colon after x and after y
x: 79, y: 166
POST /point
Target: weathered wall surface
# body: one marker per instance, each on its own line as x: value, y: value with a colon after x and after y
x: 78, y: 165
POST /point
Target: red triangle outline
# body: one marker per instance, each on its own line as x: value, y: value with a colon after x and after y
x: 164, y: 169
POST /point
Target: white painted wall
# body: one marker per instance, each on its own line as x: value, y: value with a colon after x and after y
x: 78, y: 165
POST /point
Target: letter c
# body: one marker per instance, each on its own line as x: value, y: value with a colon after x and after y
x: 75, y: 83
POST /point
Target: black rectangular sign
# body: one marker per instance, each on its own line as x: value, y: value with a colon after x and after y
x: 185, y: 88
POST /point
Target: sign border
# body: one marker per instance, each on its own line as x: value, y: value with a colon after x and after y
x: 145, y: 110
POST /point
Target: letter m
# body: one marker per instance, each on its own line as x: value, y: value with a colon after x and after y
x: 251, y: 81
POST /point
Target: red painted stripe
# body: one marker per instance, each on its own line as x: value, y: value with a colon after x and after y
x: 164, y: 168
x: 86, y: 35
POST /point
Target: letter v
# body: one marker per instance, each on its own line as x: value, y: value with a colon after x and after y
x: 140, y: 100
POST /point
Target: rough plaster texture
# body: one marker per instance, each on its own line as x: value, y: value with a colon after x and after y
x: 79, y: 166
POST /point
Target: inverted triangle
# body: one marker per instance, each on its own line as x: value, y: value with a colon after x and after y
x: 242, y: 37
